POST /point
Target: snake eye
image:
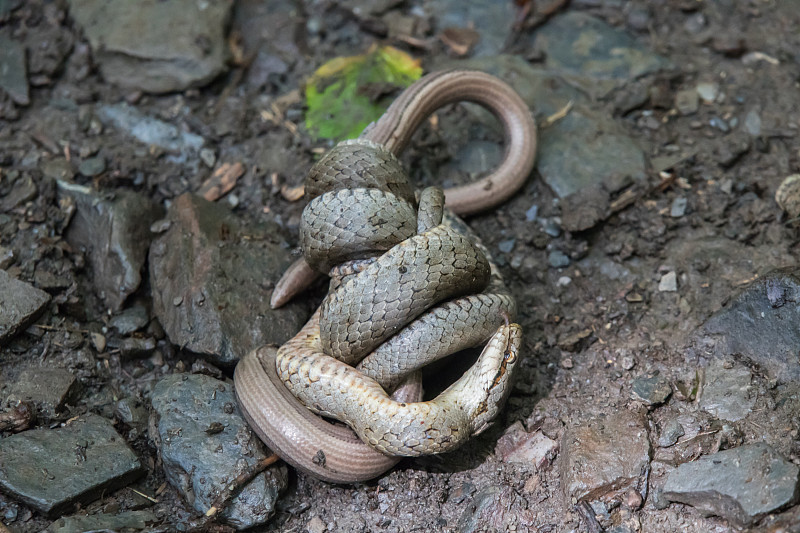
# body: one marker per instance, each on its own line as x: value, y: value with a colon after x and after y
x: 509, y: 357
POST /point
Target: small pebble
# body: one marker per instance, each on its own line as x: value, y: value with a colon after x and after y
x: 558, y: 259
x: 92, y: 167
x: 708, y: 92
x: 687, y: 102
x: 752, y: 123
x: 208, y: 157
x: 788, y: 195
x: 668, y: 282
x: 721, y: 125
x: 566, y: 363
x: 678, y: 208
x: 563, y: 281
x: 628, y: 362
x: 506, y: 246
x: 670, y: 433
x: 532, y: 213
x: 316, y: 525
x: 552, y: 228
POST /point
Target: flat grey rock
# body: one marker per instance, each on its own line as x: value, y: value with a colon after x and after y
x: 759, y: 326
x: 20, y: 304
x: 103, y: 521
x: 13, y: 72
x: 156, y: 46
x: 652, y: 389
x: 217, y: 304
x: 596, y: 54
x: 205, y: 444
x: 727, y: 392
x: 50, y: 389
x: 52, y: 469
x: 115, y: 232
x: 740, y: 485
x: 605, y: 456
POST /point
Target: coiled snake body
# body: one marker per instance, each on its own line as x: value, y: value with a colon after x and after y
x: 410, y: 284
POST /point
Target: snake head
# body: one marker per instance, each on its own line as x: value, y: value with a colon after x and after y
x: 499, y: 359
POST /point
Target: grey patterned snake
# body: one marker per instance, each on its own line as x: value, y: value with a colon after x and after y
x: 356, y: 325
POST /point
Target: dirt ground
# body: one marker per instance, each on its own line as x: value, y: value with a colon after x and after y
x: 592, y: 326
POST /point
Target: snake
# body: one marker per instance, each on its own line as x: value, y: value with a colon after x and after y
x: 270, y: 380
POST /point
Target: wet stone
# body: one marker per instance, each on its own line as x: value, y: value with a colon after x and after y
x: 740, y: 485
x: 20, y: 305
x: 13, y: 73
x: 670, y: 433
x: 653, y: 389
x: 678, y: 208
x: 130, y: 320
x: 115, y: 234
x: 103, y: 522
x: 727, y: 392
x: 182, y: 45
x: 759, y: 326
x: 52, y: 469
x: 584, y: 45
x: 50, y: 389
x: 92, y: 166
x: 605, y: 456
x: 218, y: 304
x: 199, y: 463
x: 492, y: 21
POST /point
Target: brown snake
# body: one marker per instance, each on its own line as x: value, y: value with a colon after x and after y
x: 333, y: 452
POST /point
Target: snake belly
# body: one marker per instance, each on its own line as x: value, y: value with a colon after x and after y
x: 388, y: 308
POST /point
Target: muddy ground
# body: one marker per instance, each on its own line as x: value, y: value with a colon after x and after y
x: 601, y: 306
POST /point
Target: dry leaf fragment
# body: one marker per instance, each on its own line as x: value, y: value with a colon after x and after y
x: 460, y: 41
x: 293, y: 194
x: 221, y: 181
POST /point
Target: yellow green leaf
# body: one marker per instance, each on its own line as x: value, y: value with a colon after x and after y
x: 346, y: 94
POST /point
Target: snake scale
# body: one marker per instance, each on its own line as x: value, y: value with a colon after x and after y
x: 410, y: 284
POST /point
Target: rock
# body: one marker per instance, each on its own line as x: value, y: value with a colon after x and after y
x: 316, y: 525
x: 13, y: 72
x: 668, y: 282
x: 50, y: 389
x: 788, y: 195
x: 687, y: 101
x: 584, y: 208
x: 218, y: 304
x: 605, y: 456
x: 130, y: 320
x: 198, y: 462
x: 52, y: 469
x: 652, y: 389
x: 588, y: 47
x: 130, y: 412
x: 506, y: 246
x: 678, y: 208
x: 758, y: 327
x: 181, y: 45
x: 558, y: 259
x: 103, y: 522
x: 727, y: 392
x: 740, y: 485
x: 708, y: 92
x: 92, y: 166
x: 494, y: 508
x: 115, y: 232
x: 731, y: 149
x: 530, y: 448
x: 23, y: 191
x: 493, y: 22
x: 670, y: 433
x: 752, y: 123
x: 151, y: 131
x: 20, y: 305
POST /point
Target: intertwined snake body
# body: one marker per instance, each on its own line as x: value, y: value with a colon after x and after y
x: 408, y: 287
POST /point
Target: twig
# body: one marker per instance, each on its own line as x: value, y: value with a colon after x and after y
x: 238, y: 484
